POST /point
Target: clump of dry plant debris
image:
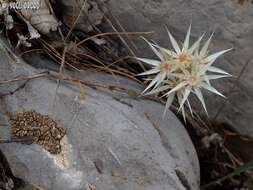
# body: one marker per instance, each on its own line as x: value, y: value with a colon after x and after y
x: 42, y: 129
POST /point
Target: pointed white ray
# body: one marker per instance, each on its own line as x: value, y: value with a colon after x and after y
x: 152, y: 83
x: 185, y: 97
x: 182, y: 110
x: 211, y: 89
x: 171, y: 53
x: 205, y: 68
x: 194, y: 64
x: 150, y: 72
x: 189, y: 106
x: 161, y: 79
x: 218, y: 70
x: 200, y: 97
x: 183, y: 113
x: 173, y: 42
x: 149, y: 61
x: 158, y: 54
x: 207, y: 79
x: 160, y: 89
x: 187, y: 39
x: 196, y: 44
x: 169, y: 101
x: 204, y: 49
x: 213, y: 77
x: 213, y: 57
x: 179, y: 86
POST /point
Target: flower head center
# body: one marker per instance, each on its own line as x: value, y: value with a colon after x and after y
x: 183, y: 57
x: 193, y: 81
x: 165, y: 66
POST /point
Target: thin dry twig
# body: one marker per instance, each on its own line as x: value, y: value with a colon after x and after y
x: 123, y: 29
x: 40, y: 75
x: 119, y: 60
x: 92, y: 84
x: 59, y: 80
x: 100, y: 62
x: 30, y: 51
x: 118, y: 23
x: 112, y: 34
x: 76, y: 20
x: 235, y: 161
x: 125, y: 43
x: 53, y: 53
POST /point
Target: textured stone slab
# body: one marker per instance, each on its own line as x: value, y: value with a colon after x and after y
x: 112, y: 141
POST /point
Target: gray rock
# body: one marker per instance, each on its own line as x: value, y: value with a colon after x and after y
x: 88, y: 18
x: 232, y: 24
x: 112, y: 142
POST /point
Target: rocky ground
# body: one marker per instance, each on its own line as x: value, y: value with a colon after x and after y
x: 115, y: 139
x: 112, y: 141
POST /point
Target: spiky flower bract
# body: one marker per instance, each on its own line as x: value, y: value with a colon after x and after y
x: 181, y: 71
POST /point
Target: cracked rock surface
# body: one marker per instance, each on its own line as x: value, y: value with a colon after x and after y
x: 112, y: 141
x: 232, y: 24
